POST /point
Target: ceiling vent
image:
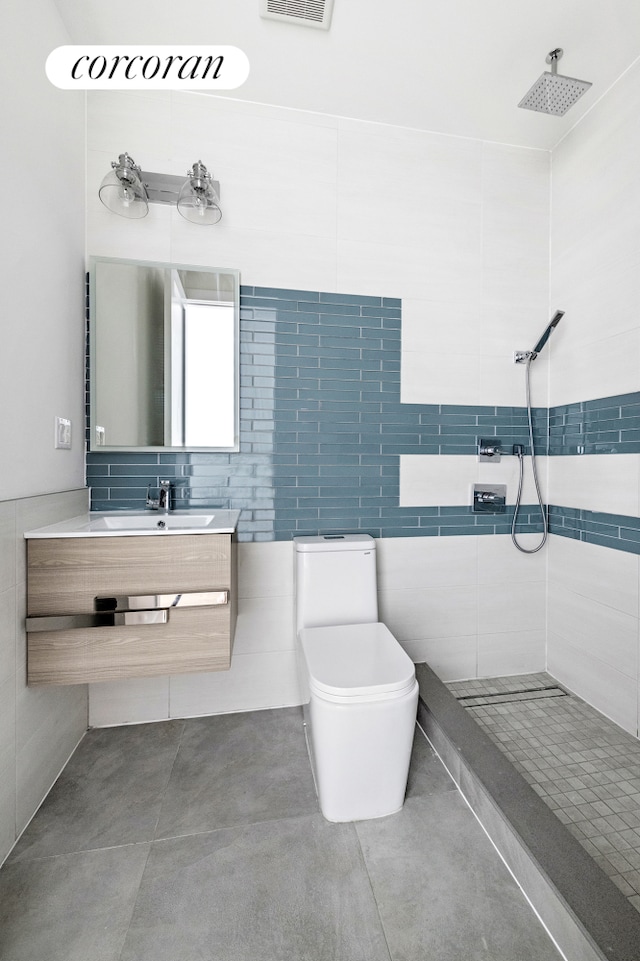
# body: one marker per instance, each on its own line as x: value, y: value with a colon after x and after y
x: 306, y: 13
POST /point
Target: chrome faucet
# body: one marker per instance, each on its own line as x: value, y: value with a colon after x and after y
x: 161, y: 503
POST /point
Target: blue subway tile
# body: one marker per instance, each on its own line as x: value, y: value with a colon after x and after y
x: 352, y: 410
x: 252, y: 301
x: 379, y: 311
x: 630, y: 547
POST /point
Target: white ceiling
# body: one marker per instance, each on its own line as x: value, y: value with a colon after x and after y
x: 457, y: 67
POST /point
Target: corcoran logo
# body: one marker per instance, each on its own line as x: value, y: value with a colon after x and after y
x: 147, y: 68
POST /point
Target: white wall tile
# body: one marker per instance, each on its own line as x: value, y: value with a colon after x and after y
x: 581, y: 298
x: 598, y: 368
x: 595, y: 249
x: 595, y: 246
x: 418, y: 614
x: 42, y: 332
x: 265, y: 569
x: 510, y: 607
x: 502, y: 381
x: 243, y: 145
x: 515, y: 254
x: 504, y: 330
x: 604, y: 575
x: 129, y: 702
x: 440, y: 177
x: 608, y: 690
x: 264, y: 624
x: 39, y: 727
x: 512, y: 652
x: 440, y: 378
x: 255, y: 682
x: 7, y: 809
x: 596, y: 482
x: 40, y: 760
x: 8, y: 576
x: 500, y: 563
x: 421, y: 563
x: 304, y: 208
x: 452, y: 658
x: 431, y: 480
x: 441, y: 327
x: 363, y: 265
x: 516, y: 177
x: 135, y: 122
x: 270, y: 257
x: 435, y: 165
x: 42, y: 712
x: 599, y: 631
x: 7, y: 726
x: 7, y: 635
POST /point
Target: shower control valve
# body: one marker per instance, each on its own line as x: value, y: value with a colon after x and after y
x: 489, y: 449
x: 486, y: 497
x: 489, y: 500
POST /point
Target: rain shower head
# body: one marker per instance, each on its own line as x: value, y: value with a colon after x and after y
x: 552, y: 93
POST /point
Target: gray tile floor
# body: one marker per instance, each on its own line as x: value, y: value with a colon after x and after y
x: 201, y: 840
x: 585, y: 767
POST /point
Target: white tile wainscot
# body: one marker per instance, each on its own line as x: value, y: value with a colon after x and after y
x: 594, y: 626
x: 458, y: 602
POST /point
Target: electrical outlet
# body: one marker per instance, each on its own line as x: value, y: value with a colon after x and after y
x: 62, y: 437
x: 100, y: 437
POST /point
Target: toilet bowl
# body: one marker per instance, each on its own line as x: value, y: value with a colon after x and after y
x: 359, y: 687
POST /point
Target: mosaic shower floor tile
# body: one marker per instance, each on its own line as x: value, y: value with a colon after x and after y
x: 585, y: 767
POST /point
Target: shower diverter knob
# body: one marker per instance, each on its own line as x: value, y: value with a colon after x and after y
x: 489, y: 500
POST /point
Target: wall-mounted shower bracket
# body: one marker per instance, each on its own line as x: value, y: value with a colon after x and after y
x: 521, y: 356
x: 489, y: 500
x: 490, y: 449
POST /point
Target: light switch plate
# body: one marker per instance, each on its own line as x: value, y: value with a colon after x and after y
x: 62, y: 437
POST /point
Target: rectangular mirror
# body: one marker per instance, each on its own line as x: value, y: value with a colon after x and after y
x: 164, y: 356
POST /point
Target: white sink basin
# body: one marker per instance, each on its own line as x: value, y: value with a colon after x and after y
x: 152, y: 522
x: 129, y: 523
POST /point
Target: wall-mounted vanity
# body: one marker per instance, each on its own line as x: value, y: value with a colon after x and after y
x: 131, y: 594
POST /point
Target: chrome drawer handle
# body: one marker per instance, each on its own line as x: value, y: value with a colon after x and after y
x: 154, y: 602
x: 73, y: 622
x: 124, y: 610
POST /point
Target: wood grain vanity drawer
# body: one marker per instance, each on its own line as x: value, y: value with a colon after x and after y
x: 65, y: 575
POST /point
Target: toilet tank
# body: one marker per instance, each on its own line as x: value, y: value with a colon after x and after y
x: 335, y: 580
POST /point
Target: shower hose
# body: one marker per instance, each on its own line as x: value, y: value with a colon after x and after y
x: 519, y: 450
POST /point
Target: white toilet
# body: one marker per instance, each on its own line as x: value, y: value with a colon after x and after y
x: 359, y: 687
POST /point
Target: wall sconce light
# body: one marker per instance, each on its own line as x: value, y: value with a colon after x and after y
x: 127, y: 191
x: 199, y: 200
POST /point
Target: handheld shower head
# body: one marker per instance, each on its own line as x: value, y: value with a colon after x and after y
x: 555, y: 320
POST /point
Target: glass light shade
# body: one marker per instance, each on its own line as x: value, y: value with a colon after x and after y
x: 198, y: 201
x: 125, y: 197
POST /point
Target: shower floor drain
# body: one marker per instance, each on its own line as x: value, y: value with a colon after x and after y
x: 508, y: 697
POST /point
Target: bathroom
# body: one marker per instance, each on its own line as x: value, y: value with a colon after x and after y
x: 486, y: 220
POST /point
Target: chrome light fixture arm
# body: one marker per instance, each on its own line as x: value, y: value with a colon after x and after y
x: 127, y: 191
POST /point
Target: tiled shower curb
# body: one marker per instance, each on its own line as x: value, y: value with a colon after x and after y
x: 586, y: 914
